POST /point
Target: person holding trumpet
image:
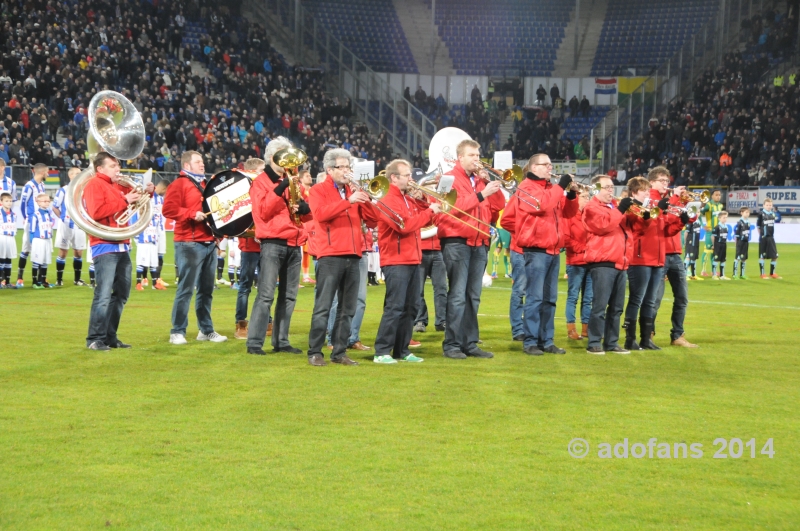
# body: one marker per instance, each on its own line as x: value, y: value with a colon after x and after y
x: 540, y: 230
x: 401, y: 255
x: 338, y: 206
x: 464, y: 237
x: 281, y: 239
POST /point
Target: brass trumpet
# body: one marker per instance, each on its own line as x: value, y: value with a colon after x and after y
x: 377, y: 189
x: 677, y: 211
x: 687, y: 196
x: 639, y: 210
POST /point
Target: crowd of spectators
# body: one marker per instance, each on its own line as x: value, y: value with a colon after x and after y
x: 57, y: 55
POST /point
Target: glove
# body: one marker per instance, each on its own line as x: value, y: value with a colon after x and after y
x: 282, y: 186
x: 664, y: 203
x: 646, y: 215
x: 572, y: 194
x: 625, y: 204
x: 303, y: 208
x: 565, y: 181
x: 684, y: 218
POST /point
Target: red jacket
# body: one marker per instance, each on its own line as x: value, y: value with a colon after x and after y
x: 369, y: 241
x: 672, y: 240
x: 104, y: 201
x: 468, y: 201
x: 249, y: 245
x: 338, y: 231
x: 542, y: 228
x: 271, y: 212
x: 402, y: 246
x: 649, y: 242
x: 609, y: 235
x: 575, y: 240
x: 508, y: 221
x: 182, y: 201
x: 432, y: 243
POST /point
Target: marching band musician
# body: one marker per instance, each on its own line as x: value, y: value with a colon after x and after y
x: 338, y: 212
x: 540, y: 232
x: 465, y: 251
x: 674, y: 270
x: 432, y: 266
x: 195, y: 251
x: 105, y: 200
x: 401, y: 256
x: 646, y: 272
x: 281, y: 240
x: 609, y: 249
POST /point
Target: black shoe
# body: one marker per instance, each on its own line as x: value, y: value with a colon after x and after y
x: 552, y: 349
x: 631, y: 344
x: 479, y: 353
x: 455, y: 354
x: 119, y: 344
x: 256, y: 350
x: 520, y: 337
x: 290, y: 349
x: 533, y: 351
x: 647, y: 344
x: 80, y: 283
x: 647, y: 329
x: 98, y: 345
x: 439, y: 328
x: 618, y: 350
x: 597, y: 351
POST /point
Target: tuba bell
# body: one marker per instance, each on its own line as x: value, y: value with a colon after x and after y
x: 116, y: 127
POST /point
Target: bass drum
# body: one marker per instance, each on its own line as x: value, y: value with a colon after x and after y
x: 227, y: 199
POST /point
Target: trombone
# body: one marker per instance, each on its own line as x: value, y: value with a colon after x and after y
x: 377, y: 189
x: 448, y: 201
x: 509, y: 178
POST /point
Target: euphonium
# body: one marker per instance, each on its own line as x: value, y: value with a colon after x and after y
x: 116, y: 127
x: 290, y: 159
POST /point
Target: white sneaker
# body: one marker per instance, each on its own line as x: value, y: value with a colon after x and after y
x: 223, y: 282
x: 177, y: 339
x: 213, y: 337
x: 386, y: 359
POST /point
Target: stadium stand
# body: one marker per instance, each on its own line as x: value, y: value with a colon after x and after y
x: 643, y: 35
x: 55, y: 59
x: 370, y: 29
x: 506, y: 35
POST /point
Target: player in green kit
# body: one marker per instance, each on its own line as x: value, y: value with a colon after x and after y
x: 709, y: 214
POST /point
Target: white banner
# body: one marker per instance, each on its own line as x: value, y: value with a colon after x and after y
x: 740, y: 199
x: 785, y: 198
x: 364, y: 170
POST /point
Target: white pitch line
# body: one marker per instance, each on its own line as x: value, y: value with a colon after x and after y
x: 691, y: 301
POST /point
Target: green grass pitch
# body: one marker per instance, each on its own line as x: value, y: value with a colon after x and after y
x: 204, y: 436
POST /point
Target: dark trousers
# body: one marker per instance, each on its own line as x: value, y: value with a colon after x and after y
x: 608, y: 301
x: 336, y: 275
x: 247, y: 273
x: 541, y: 272
x: 113, y: 273
x: 432, y: 266
x: 279, y: 263
x: 676, y: 274
x: 645, y: 283
x: 196, y: 263
x: 465, y: 267
x: 400, y: 305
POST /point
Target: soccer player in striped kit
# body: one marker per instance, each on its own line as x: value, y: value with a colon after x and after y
x: 32, y: 188
x: 8, y: 241
x: 68, y: 235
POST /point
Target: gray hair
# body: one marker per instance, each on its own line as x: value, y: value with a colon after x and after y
x: 332, y: 155
x: 276, y: 144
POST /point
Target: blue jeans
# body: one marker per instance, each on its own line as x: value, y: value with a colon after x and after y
x: 465, y: 267
x: 113, y: 274
x: 541, y: 270
x: 432, y: 266
x: 247, y: 273
x: 281, y: 264
x: 520, y: 280
x: 361, y: 303
x: 644, y: 285
x: 196, y: 263
x: 608, y: 301
x: 675, y: 272
x: 579, y: 281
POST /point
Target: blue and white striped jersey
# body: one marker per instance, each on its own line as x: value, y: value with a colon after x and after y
x: 58, y: 202
x: 28, y: 198
x: 42, y: 224
x: 8, y: 222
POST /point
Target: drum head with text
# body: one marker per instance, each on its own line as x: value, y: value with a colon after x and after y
x: 227, y: 198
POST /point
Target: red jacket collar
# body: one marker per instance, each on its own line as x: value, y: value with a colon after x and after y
x: 104, y: 177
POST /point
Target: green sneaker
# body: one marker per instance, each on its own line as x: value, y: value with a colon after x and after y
x: 38, y: 286
x: 742, y: 277
x: 412, y: 359
x: 386, y: 359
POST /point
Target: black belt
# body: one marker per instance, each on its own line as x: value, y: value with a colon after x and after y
x: 445, y: 241
x: 275, y: 241
x: 534, y: 250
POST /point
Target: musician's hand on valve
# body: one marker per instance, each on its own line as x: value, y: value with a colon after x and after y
x: 435, y: 208
x: 150, y: 188
x: 199, y: 216
x: 678, y: 190
x: 359, y: 197
x: 132, y: 197
x: 295, y: 208
x: 491, y: 188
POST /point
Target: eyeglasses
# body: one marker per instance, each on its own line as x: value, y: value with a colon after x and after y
x: 344, y: 168
x: 662, y: 181
x: 545, y: 164
x: 607, y: 188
